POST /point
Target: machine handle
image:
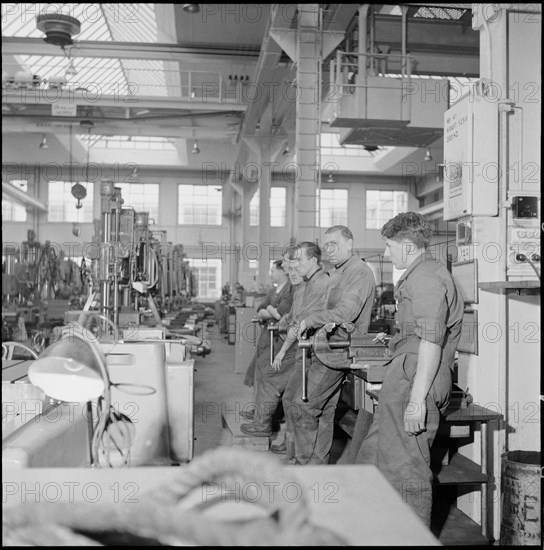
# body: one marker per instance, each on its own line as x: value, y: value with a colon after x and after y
x: 271, y: 328
x: 304, y: 381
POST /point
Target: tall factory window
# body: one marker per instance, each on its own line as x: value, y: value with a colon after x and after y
x: 199, y: 205
x: 143, y: 197
x: 62, y: 204
x: 278, y: 196
x: 13, y: 211
x: 208, y: 277
x: 333, y: 206
x: 381, y: 206
x: 254, y: 209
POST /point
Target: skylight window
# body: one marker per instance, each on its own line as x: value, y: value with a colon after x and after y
x: 101, y: 23
x: 127, y: 142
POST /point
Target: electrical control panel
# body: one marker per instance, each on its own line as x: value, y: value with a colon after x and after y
x: 523, y: 226
x: 470, y: 158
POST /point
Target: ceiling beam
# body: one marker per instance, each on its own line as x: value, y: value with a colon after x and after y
x: 193, y: 53
x: 96, y: 99
x: 19, y: 124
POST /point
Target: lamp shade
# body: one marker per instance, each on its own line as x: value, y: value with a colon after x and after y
x: 69, y: 370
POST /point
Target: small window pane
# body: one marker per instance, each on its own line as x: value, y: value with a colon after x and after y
x: 13, y: 211
x: 143, y: 197
x: 381, y: 206
x: 199, y: 205
x: 332, y: 205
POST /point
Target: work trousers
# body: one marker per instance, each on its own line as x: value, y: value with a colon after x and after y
x: 270, y: 386
x: 402, y: 458
x: 310, y: 425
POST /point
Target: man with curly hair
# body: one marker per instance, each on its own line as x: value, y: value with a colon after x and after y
x: 417, y: 385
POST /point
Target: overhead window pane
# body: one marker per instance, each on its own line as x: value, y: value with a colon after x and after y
x: 381, y: 206
x: 208, y: 278
x: 12, y: 211
x: 332, y: 205
x: 278, y: 197
x: 254, y: 209
x: 199, y: 205
x: 143, y: 197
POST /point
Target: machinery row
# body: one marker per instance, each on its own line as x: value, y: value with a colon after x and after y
x: 118, y: 332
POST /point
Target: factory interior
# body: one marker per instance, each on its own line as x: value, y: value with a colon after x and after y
x: 159, y: 162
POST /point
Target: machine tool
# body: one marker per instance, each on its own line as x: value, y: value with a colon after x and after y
x: 339, y: 347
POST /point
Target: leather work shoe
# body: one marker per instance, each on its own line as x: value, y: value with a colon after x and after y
x: 252, y: 429
x: 248, y: 415
x: 279, y: 449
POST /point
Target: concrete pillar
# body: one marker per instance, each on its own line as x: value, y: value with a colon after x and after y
x: 266, y: 148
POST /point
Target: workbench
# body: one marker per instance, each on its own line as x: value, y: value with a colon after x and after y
x: 354, y: 501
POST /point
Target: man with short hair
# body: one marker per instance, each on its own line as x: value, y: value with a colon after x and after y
x: 349, y: 298
x: 305, y: 259
x: 277, y: 303
x: 417, y: 384
x: 270, y: 382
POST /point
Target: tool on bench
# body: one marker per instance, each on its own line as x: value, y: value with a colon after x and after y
x: 350, y: 352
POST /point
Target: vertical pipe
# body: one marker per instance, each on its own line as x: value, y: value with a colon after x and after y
x: 404, y: 34
x: 371, y: 43
x: 363, y: 14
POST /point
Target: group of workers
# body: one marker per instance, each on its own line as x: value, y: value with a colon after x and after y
x: 418, y: 381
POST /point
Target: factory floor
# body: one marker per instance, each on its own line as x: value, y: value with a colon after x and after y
x: 219, y: 392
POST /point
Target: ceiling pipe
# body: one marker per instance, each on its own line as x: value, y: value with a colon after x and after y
x: 22, y: 197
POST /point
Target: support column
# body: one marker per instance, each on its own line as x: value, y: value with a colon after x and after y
x: 308, y: 127
x: 265, y: 148
x: 306, y: 47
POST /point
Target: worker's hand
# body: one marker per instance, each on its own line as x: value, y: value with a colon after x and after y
x: 414, y: 417
x: 273, y: 312
x: 277, y: 361
x: 301, y: 329
x: 263, y: 314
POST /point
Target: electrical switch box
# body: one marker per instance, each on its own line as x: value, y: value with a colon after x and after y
x: 471, y: 174
x: 523, y: 227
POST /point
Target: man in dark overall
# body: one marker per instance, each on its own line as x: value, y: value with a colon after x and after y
x: 417, y: 385
x: 271, y: 309
x: 349, y: 298
x: 305, y: 260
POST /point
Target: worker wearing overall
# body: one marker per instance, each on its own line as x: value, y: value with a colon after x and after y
x: 272, y: 308
x: 349, y: 298
x: 304, y: 259
x: 417, y: 385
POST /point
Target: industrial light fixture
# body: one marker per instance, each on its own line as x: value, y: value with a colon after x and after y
x: 191, y: 8
x: 286, y: 151
x: 70, y: 70
x: 428, y: 156
x: 73, y: 369
x: 43, y: 144
x: 195, y: 150
x: 330, y: 179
